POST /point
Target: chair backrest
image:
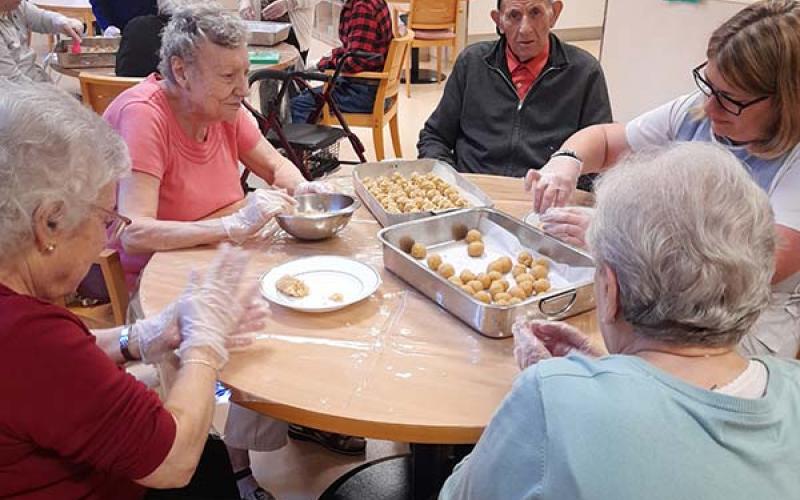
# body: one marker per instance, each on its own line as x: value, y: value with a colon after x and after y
x: 398, y: 50
x: 432, y: 14
x: 98, y: 91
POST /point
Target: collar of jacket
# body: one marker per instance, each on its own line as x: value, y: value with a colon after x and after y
x: 496, y: 58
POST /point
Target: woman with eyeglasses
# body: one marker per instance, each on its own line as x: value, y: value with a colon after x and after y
x: 73, y: 424
x: 748, y: 101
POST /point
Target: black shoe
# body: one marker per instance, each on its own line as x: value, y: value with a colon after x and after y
x: 337, y: 443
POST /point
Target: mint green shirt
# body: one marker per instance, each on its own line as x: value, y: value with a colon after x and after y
x: 618, y: 428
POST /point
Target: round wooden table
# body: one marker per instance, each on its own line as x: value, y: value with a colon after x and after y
x: 289, y: 57
x: 394, y: 366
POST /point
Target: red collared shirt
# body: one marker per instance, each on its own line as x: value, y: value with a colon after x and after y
x: 523, y: 74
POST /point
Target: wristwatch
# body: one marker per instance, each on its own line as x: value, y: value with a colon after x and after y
x: 567, y: 152
x: 123, y: 343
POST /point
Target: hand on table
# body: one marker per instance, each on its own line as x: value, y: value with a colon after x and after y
x: 275, y: 10
x: 568, y: 224
x: 260, y: 207
x: 535, y: 340
x: 554, y: 183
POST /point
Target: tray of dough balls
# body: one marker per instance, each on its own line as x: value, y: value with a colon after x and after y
x: 400, y: 191
x: 488, y: 268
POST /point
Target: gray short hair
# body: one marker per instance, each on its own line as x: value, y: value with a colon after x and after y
x: 691, y: 238
x: 52, y: 149
x: 194, y: 24
x: 168, y: 7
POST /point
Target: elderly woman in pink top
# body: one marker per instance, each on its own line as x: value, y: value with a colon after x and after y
x: 187, y: 133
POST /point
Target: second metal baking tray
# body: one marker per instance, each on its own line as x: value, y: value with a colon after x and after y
x: 488, y: 319
x: 405, y: 168
x: 267, y: 32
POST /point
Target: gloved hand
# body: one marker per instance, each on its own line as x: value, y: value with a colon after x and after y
x: 246, y: 10
x: 159, y: 335
x: 535, y: 340
x: 69, y: 27
x: 568, y: 224
x: 261, y: 206
x: 212, y: 309
x: 275, y: 10
x: 553, y: 185
x: 112, y: 32
x: 267, y: 232
x: 307, y: 187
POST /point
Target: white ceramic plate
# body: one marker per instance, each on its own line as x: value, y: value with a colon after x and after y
x: 325, y: 276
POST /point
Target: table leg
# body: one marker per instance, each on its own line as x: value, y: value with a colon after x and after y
x: 431, y: 465
x: 421, y: 75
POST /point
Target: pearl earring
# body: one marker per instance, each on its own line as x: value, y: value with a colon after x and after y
x: 50, y: 248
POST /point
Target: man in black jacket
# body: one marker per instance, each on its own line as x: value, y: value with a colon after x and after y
x: 508, y: 105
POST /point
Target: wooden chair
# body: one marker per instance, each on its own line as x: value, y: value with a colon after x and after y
x: 388, y: 88
x: 115, y: 312
x: 98, y: 91
x: 433, y: 23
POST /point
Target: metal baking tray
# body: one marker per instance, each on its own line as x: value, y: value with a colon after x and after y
x: 96, y: 52
x: 469, y: 190
x: 487, y: 319
x: 266, y: 32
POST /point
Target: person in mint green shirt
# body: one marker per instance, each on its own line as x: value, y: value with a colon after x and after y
x: 683, y: 242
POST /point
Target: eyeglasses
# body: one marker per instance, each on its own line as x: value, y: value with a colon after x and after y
x: 730, y: 105
x: 115, y: 223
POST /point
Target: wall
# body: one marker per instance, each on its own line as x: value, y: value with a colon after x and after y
x: 650, y: 47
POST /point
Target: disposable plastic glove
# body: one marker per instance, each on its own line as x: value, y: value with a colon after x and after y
x: 568, y: 224
x: 69, y: 27
x: 535, y: 340
x: 160, y: 335
x: 246, y: 10
x: 261, y: 206
x: 553, y: 185
x: 275, y: 10
x: 112, y: 32
x: 212, y: 310
x: 307, y: 187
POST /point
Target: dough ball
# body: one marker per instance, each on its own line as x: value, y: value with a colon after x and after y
x: 484, y: 279
x: 483, y: 297
x: 541, y: 261
x: 518, y: 292
x: 495, y: 266
x: 468, y: 289
x: 496, y: 287
x: 504, y: 284
x: 521, y: 278
x: 495, y: 275
x: 455, y: 280
x: 476, y: 285
x: 467, y: 276
x: 446, y: 271
x: 502, y: 302
x: 473, y: 235
x: 418, y: 251
x: 514, y: 301
x: 539, y: 271
x: 541, y: 286
x: 525, y: 258
x: 502, y: 296
x: 506, y: 264
x: 518, y: 269
x: 475, y: 249
x: 527, y: 287
x: 434, y: 261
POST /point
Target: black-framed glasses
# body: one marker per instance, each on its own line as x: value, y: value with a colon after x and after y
x: 115, y: 223
x: 727, y: 103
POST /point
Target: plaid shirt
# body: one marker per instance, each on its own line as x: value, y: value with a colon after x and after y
x: 363, y: 25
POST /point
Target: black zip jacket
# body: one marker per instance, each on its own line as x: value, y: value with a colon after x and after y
x: 481, y: 126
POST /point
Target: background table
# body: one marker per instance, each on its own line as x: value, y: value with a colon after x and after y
x: 395, y: 366
x: 289, y: 57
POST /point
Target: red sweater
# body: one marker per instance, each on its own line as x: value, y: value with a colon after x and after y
x: 72, y: 424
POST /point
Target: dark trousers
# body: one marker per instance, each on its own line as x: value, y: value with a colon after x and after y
x: 349, y: 98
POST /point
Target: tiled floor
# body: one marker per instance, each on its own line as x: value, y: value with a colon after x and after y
x: 302, y: 471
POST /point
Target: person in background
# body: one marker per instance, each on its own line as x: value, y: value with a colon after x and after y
x: 140, y: 46
x: 748, y: 101
x: 509, y: 104
x: 116, y: 14
x: 300, y: 13
x: 73, y: 424
x: 364, y: 25
x: 18, y: 61
x: 683, y: 242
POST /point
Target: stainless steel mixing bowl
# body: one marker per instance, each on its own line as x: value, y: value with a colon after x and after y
x: 319, y: 216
